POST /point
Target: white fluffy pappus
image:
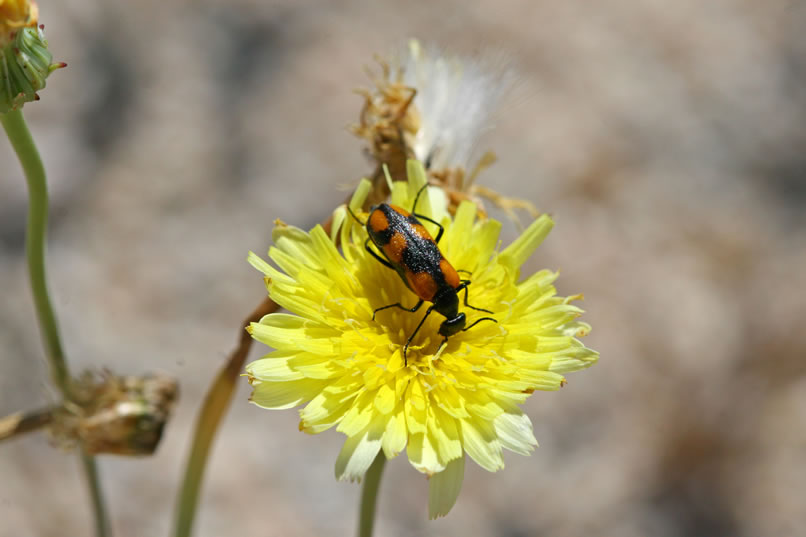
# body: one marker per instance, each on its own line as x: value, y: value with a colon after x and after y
x: 456, y: 97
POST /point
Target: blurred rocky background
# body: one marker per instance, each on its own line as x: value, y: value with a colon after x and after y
x: 668, y: 139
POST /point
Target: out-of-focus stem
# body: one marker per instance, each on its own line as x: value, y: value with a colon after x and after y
x: 19, y: 423
x: 212, y: 412
x: 36, y: 231
x: 103, y: 527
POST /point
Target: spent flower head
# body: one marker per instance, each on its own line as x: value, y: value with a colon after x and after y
x: 444, y: 401
x: 435, y: 107
x: 118, y: 415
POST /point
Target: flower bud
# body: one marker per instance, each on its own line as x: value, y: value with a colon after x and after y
x: 25, y: 61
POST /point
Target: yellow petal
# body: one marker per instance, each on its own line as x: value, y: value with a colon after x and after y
x: 274, y: 367
x: 385, y: 399
x: 543, y: 380
x: 481, y: 443
x: 575, y: 358
x: 515, y: 432
x: 279, y: 395
x: 423, y: 454
x: 357, y: 454
x: 524, y: 246
x: 360, y: 415
x: 444, y: 487
x: 325, y: 410
x: 396, y: 434
x: 295, y: 243
x: 443, y: 429
x: 415, y: 405
x: 283, y: 331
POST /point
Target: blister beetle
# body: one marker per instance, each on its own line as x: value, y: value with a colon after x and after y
x: 408, y: 249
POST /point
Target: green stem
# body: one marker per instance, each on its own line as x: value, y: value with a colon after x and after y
x: 369, y: 496
x: 102, y: 524
x: 23, y: 144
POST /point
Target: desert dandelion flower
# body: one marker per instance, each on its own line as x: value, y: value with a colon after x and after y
x: 448, y: 400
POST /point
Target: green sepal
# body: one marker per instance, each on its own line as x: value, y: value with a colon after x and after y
x: 25, y: 63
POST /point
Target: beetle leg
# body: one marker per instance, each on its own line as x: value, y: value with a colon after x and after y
x: 406, y: 348
x: 441, y: 229
x: 383, y: 261
x: 398, y: 305
x: 444, y: 342
x: 414, y: 213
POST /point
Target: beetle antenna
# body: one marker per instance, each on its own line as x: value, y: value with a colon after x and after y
x: 417, y: 198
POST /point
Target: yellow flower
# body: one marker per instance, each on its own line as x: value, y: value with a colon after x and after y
x: 348, y: 370
x: 16, y: 14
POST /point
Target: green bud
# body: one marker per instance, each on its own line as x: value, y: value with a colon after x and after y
x: 25, y: 63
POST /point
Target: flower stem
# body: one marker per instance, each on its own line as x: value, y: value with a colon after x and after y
x: 212, y: 412
x: 23, y: 144
x: 20, y: 423
x: 102, y: 524
x: 369, y: 496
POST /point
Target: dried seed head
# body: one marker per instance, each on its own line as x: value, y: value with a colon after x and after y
x: 116, y: 415
x: 435, y: 108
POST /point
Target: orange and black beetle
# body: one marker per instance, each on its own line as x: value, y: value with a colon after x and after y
x: 409, y: 250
